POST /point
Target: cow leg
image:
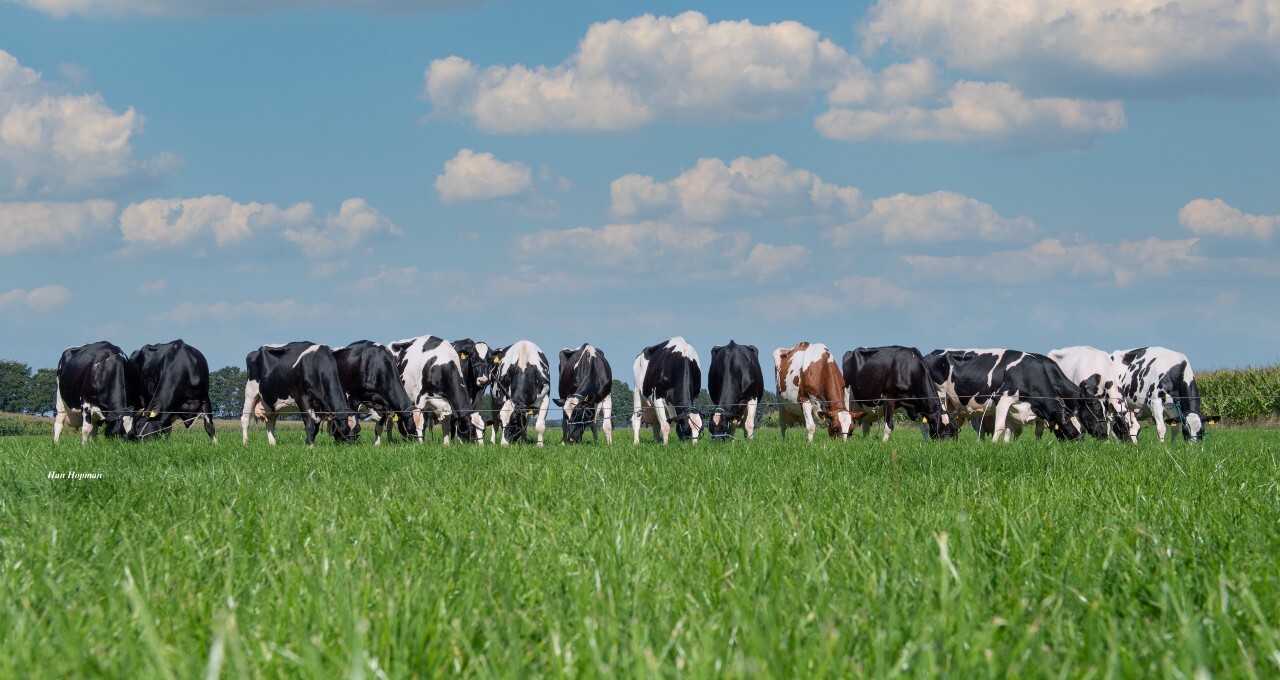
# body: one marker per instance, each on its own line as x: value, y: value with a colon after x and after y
x: 888, y: 419
x: 271, y: 428
x: 206, y: 410
x: 60, y: 414
x: 251, y: 399
x: 312, y: 428
x: 1157, y: 414
x: 541, y: 425
x: 806, y: 407
x: 1003, y: 404
x: 749, y: 425
x: 660, y: 413
x: 606, y: 411
x: 504, y: 416
x: 1039, y: 428
x: 86, y: 424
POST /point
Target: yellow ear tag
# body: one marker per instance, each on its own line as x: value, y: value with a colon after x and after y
x: 924, y: 420
x: 532, y: 412
x: 462, y: 356
x: 154, y: 414
x: 328, y: 417
x: 395, y: 418
x: 1055, y: 427
x: 497, y: 360
x: 735, y: 421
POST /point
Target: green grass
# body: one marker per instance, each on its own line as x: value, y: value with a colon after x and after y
x: 755, y: 559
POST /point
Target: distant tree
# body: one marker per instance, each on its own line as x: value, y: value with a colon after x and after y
x: 623, y: 402
x: 14, y: 376
x: 39, y: 396
x: 702, y: 402
x: 226, y: 391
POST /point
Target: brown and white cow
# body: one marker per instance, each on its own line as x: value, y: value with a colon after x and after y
x: 808, y: 377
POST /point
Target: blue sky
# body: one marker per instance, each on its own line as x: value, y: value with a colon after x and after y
x: 923, y: 172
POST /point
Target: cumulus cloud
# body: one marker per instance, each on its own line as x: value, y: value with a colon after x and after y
x: 194, y: 8
x: 873, y: 292
x: 841, y: 296
x: 629, y: 73
x: 766, y: 261
x: 637, y: 246
x: 283, y: 311
x: 1091, y: 45
x: 471, y: 176
x: 931, y: 218
x: 713, y: 191
x: 1216, y: 218
x: 170, y: 222
x: 996, y: 114
x: 65, y: 144
x: 355, y: 223
x: 42, y: 299
x: 36, y: 225
x: 1124, y: 263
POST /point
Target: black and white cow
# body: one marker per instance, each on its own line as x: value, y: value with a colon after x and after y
x: 432, y: 375
x: 1093, y: 371
x: 297, y: 377
x: 1009, y: 385
x: 173, y: 381
x: 476, y: 374
x: 736, y: 383
x: 521, y: 390
x: 96, y: 385
x: 1158, y: 383
x: 586, y: 392
x: 368, y: 374
x: 668, y: 377
x: 883, y: 379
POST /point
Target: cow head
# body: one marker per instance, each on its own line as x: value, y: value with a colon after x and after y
x: 938, y: 426
x: 1065, y: 425
x: 476, y: 364
x: 1193, y: 427
x: 345, y: 429
x: 579, y: 412
x: 150, y: 422
x: 840, y: 424
x: 1093, y: 417
x: 688, y: 424
x: 122, y: 424
x: 722, y: 423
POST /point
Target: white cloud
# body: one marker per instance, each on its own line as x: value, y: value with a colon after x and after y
x: 1048, y: 259
x: 356, y: 223
x: 641, y: 246
x: 269, y: 312
x: 35, y: 225
x: 629, y: 73
x: 42, y: 299
x: 471, y: 176
x: 65, y: 144
x: 1109, y: 46
x: 873, y: 292
x: 996, y: 114
x: 744, y: 188
x: 931, y: 218
x: 156, y: 286
x: 194, y: 8
x: 170, y: 222
x: 766, y: 261
x: 1216, y: 218
x: 840, y: 297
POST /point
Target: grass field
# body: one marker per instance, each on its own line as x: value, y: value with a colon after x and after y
x: 771, y: 558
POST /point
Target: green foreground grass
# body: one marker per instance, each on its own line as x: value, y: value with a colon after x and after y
x: 764, y: 558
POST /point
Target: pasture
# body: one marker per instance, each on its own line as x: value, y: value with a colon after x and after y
x: 771, y: 558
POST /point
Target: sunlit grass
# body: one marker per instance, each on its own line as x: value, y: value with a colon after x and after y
x: 746, y: 559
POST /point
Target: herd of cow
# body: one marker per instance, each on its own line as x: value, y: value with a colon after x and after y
x: 408, y: 384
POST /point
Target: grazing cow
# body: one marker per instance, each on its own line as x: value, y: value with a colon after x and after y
x: 1093, y: 371
x: 808, y: 376
x: 882, y: 379
x: 432, y: 374
x: 668, y: 376
x: 586, y: 391
x: 101, y: 387
x: 736, y: 384
x: 298, y: 377
x: 368, y: 374
x: 173, y: 381
x: 1159, y: 383
x: 476, y: 374
x: 977, y: 382
x: 521, y: 389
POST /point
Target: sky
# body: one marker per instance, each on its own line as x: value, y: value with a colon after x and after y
x: 932, y: 173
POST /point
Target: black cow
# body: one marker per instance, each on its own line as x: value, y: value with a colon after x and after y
x: 297, y: 377
x: 431, y: 371
x: 736, y: 384
x: 586, y: 391
x: 1002, y: 382
x: 174, y: 382
x: 668, y: 376
x: 883, y: 379
x: 521, y: 389
x: 1159, y: 383
x: 476, y: 376
x: 96, y: 385
x: 371, y: 382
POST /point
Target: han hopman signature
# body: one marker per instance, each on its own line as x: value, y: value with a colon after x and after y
x: 75, y: 475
